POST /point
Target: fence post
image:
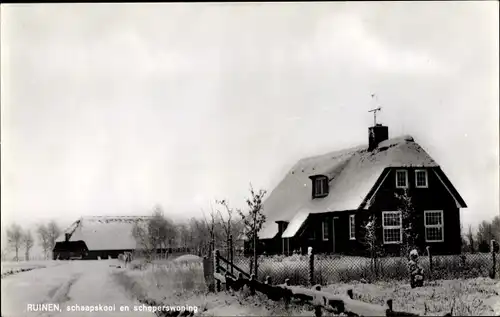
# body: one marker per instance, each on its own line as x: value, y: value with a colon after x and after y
x: 311, y: 265
x: 231, y: 254
x: 256, y: 264
x: 217, y: 269
x: 208, y: 272
x: 252, y: 284
x: 494, y: 268
x: 430, y: 261
x: 251, y: 265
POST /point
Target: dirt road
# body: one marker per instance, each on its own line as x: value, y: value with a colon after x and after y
x: 74, y: 288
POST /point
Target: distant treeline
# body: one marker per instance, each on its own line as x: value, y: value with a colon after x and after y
x: 20, y: 240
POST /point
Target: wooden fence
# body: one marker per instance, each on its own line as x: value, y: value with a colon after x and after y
x: 320, y: 300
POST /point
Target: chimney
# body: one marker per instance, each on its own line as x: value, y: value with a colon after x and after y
x: 377, y: 134
x: 66, y: 237
x: 282, y: 225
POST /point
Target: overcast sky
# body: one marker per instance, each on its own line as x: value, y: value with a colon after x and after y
x: 109, y: 109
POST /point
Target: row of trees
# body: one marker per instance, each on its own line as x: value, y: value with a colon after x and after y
x: 202, y: 235
x: 480, y: 240
x: 19, y: 239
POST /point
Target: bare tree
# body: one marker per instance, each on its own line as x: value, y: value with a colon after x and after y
x: 199, y: 231
x: 28, y: 242
x: 44, y: 239
x: 156, y: 229
x: 372, y: 241
x: 409, y: 219
x: 238, y: 233
x: 496, y: 228
x: 54, y: 231
x: 183, y: 235
x: 470, y: 240
x: 14, y: 238
x: 227, y: 224
x: 486, y: 232
x: 211, y: 225
x: 146, y: 244
x: 165, y: 228
x: 254, y: 220
x: 153, y: 234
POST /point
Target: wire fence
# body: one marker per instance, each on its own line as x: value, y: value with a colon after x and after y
x: 330, y: 269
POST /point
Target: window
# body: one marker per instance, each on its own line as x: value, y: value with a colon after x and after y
x: 312, y: 235
x: 433, y: 220
x: 320, y: 187
x: 421, y: 178
x: 391, y: 224
x: 325, y: 230
x: 401, y: 179
x: 352, y: 228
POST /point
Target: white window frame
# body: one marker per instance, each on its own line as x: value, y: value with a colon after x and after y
x: 321, y: 182
x: 400, y: 227
x: 352, y: 223
x: 434, y: 226
x: 323, y: 230
x: 426, y: 179
x: 406, y: 177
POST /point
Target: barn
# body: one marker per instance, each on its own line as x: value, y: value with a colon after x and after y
x: 97, y: 236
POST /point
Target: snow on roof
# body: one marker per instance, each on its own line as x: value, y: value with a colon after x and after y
x: 295, y: 224
x: 104, y: 233
x: 351, y: 173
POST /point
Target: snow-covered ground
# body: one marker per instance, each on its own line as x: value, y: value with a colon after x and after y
x: 176, y: 284
x: 14, y: 267
x: 82, y: 283
x: 10, y: 264
x: 93, y: 283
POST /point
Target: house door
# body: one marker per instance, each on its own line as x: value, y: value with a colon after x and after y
x: 335, y: 221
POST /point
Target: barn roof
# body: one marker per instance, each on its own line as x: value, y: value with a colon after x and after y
x: 104, y: 233
x: 352, y: 173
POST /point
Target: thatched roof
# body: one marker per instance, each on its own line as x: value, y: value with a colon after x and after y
x: 352, y: 173
x: 104, y: 233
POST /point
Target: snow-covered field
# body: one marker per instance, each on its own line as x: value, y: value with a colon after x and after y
x: 184, y: 284
x: 180, y: 283
x: 68, y: 284
x: 11, y: 267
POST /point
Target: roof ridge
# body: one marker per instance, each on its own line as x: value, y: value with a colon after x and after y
x: 403, y: 137
x: 115, y: 216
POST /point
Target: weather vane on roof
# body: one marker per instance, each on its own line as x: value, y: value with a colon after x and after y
x: 375, y: 112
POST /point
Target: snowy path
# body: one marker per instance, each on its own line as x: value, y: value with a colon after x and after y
x: 79, y: 283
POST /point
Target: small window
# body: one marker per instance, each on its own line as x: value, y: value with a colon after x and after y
x: 433, y: 220
x: 401, y: 179
x: 320, y: 187
x: 421, y: 178
x: 325, y: 230
x: 352, y: 228
x: 392, y: 229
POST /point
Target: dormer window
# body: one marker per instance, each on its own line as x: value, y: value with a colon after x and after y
x: 320, y: 186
